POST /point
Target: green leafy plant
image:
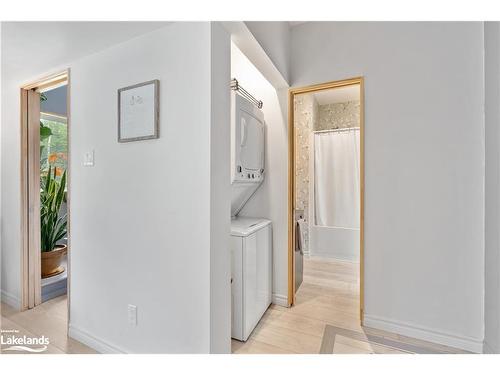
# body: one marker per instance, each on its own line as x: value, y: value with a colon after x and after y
x: 53, y: 226
x: 45, y: 133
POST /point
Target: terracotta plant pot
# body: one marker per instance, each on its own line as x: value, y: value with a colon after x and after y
x: 51, y: 261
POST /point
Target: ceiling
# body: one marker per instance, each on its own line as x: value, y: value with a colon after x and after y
x: 56, y: 43
x: 337, y: 95
x: 55, y: 101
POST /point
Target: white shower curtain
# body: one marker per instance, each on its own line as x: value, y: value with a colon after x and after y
x: 336, y: 178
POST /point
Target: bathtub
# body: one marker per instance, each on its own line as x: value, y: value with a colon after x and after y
x: 334, y: 242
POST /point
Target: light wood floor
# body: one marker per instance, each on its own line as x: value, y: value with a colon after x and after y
x: 327, y: 301
x: 48, y: 319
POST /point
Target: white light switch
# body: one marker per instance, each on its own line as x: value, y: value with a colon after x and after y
x: 132, y: 315
x: 88, y: 159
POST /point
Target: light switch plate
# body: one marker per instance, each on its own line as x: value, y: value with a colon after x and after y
x: 88, y: 159
x: 132, y: 315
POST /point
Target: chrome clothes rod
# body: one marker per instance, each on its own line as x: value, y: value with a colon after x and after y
x: 335, y: 130
x: 237, y: 87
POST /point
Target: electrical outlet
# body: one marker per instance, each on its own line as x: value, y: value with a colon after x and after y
x: 132, y: 315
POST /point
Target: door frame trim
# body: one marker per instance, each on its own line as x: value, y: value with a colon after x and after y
x: 291, y: 180
x: 30, y: 283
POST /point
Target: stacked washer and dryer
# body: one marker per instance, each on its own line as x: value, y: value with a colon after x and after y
x: 251, y: 238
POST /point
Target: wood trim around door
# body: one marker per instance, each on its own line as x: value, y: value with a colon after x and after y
x: 33, y: 168
x: 31, y: 291
x: 68, y: 193
x: 25, y: 304
x: 30, y: 199
x: 291, y: 181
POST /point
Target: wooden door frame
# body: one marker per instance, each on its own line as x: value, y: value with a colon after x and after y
x: 30, y: 183
x: 291, y: 180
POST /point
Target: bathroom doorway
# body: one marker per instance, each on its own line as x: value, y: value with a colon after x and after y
x: 326, y: 185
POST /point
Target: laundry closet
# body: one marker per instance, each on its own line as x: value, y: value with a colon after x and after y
x: 251, y: 235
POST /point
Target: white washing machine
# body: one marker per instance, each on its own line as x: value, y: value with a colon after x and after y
x: 251, y: 273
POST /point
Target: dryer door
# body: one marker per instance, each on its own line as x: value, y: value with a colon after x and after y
x: 251, y: 142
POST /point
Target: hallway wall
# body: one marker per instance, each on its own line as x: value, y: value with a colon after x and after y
x: 150, y: 221
x: 424, y: 154
x: 492, y: 204
x: 20, y: 40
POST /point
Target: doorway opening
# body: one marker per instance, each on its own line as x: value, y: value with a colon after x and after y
x: 326, y: 185
x: 44, y: 192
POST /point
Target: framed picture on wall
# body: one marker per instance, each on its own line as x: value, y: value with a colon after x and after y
x: 139, y: 111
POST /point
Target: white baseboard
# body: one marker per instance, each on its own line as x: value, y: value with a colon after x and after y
x: 10, y: 299
x: 92, y: 341
x: 423, y: 333
x: 280, y: 300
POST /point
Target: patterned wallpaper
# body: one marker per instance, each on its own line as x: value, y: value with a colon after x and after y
x: 309, y: 116
x: 305, y: 115
x: 338, y: 115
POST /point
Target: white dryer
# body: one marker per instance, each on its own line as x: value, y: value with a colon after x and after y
x: 251, y: 273
x: 248, y: 135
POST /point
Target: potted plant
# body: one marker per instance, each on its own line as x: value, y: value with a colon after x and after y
x: 53, y: 225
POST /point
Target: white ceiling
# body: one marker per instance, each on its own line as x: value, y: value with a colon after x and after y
x: 56, y: 43
x: 337, y: 95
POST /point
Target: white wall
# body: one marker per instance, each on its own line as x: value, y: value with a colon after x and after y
x: 10, y: 190
x: 149, y: 226
x: 424, y: 154
x: 270, y: 200
x: 220, y: 256
x: 70, y: 40
x: 142, y: 216
x: 274, y: 38
x: 492, y: 203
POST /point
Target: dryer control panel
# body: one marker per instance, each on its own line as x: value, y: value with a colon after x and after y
x: 248, y: 175
x: 248, y: 137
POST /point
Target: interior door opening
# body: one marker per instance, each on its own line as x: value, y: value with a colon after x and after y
x: 44, y: 186
x: 326, y: 185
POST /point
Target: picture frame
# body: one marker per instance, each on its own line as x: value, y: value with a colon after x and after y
x: 139, y: 112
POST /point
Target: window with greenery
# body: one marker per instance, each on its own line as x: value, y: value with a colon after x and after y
x: 53, y: 147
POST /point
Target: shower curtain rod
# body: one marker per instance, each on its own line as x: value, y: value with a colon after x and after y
x: 237, y: 87
x: 335, y: 130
